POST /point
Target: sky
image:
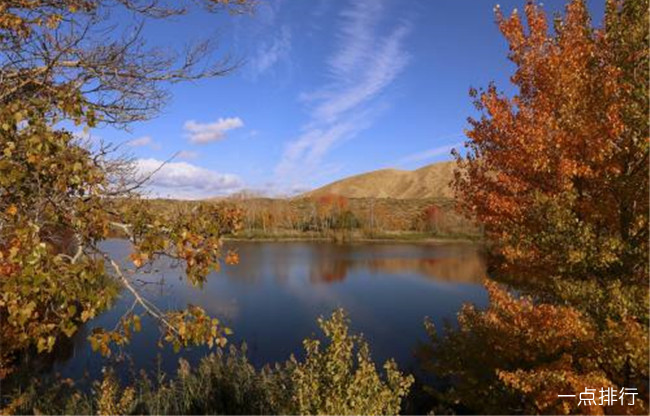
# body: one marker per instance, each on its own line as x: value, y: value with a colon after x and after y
x: 326, y: 89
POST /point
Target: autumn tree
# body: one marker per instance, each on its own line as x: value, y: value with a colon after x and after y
x: 64, y: 63
x: 518, y: 356
x: 557, y: 174
x: 429, y: 219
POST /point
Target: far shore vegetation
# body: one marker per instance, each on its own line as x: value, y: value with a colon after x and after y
x: 340, y: 219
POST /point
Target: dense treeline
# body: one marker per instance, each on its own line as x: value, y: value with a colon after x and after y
x: 338, y: 217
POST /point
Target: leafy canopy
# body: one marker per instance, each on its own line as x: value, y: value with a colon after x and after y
x: 557, y: 174
x: 59, y: 196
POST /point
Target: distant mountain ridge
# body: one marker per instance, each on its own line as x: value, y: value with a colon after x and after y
x: 431, y: 181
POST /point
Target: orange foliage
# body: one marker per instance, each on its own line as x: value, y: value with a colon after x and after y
x: 518, y: 356
x: 558, y: 173
x: 332, y: 201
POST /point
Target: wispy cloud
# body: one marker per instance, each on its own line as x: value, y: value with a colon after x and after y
x: 271, y: 53
x: 184, y: 180
x: 141, y: 141
x: 302, y: 157
x: 201, y: 133
x: 427, y: 154
x: 367, y: 60
x: 187, y: 155
x: 144, y: 141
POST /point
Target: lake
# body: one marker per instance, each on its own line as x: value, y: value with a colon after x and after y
x: 272, y: 298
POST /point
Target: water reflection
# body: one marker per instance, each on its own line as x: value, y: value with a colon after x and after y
x: 330, y: 263
x: 273, y: 297
x: 467, y: 269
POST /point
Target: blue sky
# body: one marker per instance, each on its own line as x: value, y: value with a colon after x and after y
x: 327, y: 89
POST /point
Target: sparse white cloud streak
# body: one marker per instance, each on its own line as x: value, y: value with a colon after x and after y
x: 201, y: 133
x: 187, y: 155
x: 427, y: 154
x: 269, y: 54
x: 184, y: 180
x: 366, y: 62
x: 141, y: 141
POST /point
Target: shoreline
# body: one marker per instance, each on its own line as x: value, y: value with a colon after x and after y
x: 352, y: 240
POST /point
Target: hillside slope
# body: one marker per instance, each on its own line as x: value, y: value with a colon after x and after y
x: 431, y: 181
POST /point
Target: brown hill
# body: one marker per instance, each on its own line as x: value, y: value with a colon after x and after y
x: 431, y: 181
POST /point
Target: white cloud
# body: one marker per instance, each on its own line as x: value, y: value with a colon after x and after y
x: 184, y: 180
x: 367, y: 61
x: 269, y: 54
x: 427, y: 154
x: 144, y: 141
x: 82, y: 134
x: 201, y: 133
x: 187, y: 155
x: 141, y: 141
x: 304, y: 155
x: 86, y: 136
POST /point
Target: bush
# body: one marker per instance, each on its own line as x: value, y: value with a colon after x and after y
x: 336, y: 381
x: 341, y: 379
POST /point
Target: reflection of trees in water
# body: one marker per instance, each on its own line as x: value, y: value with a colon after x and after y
x: 461, y: 265
x: 330, y: 272
x: 468, y: 269
x: 329, y: 263
x: 258, y: 260
x: 30, y: 363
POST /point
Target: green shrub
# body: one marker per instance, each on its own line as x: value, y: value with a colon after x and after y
x: 340, y: 379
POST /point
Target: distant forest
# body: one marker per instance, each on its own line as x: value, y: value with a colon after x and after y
x: 339, y: 218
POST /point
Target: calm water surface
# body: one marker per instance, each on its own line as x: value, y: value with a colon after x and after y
x: 272, y: 298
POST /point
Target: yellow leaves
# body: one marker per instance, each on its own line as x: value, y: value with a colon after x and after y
x: 57, y: 191
x: 111, y: 399
x: 100, y: 340
x: 335, y: 380
x: 53, y: 21
x: 69, y: 330
x: 12, y: 210
x: 86, y: 315
x: 182, y: 330
x: 45, y: 344
x: 194, y: 327
x: 9, y: 147
x: 137, y: 324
